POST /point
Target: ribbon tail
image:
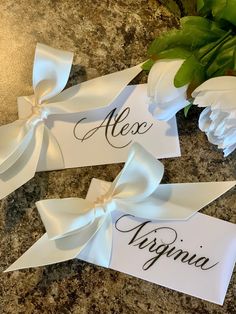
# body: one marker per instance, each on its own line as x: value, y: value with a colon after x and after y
x: 14, y: 139
x: 182, y: 200
x: 25, y: 167
x: 93, y: 94
x: 99, y: 249
x: 43, y: 252
x: 177, y: 201
x: 51, y: 157
x: 46, y: 251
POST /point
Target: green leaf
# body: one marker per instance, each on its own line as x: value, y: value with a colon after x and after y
x: 147, y: 65
x: 191, y: 71
x: 174, y: 53
x: 198, y: 21
x: 227, y: 13
x: 199, y: 75
x: 219, y: 10
x: 200, y: 5
x: 224, y: 61
x: 186, y: 72
x: 186, y: 109
x: 207, y: 52
x: 165, y: 41
x: 202, y: 24
x: 195, y: 32
x: 231, y: 42
x: 210, y: 7
x: 217, y: 6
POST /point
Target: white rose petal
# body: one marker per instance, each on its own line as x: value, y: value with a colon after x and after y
x: 218, y: 119
x: 165, y: 98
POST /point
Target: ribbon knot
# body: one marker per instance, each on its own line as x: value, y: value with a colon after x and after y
x: 37, y: 115
x: 102, y: 200
x: 104, y: 205
x: 40, y: 112
x: 36, y: 110
x: 27, y: 145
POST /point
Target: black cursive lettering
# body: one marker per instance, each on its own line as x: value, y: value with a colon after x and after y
x: 114, y: 126
x: 161, y: 241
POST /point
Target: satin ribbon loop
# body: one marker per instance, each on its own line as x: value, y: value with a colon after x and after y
x: 50, y: 75
x: 135, y: 186
x: 50, y: 72
x: 38, y: 115
x: 102, y: 200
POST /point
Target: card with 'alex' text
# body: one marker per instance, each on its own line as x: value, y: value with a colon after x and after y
x: 103, y: 136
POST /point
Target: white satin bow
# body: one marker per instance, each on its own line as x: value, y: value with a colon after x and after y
x: 27, y: 142
x: 80, y: 228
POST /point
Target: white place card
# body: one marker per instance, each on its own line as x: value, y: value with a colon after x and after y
x: 103, y: 136
x: 195, y: 256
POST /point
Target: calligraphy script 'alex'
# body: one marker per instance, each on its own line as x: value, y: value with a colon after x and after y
x: 114, y: 126
x: 161, y: 241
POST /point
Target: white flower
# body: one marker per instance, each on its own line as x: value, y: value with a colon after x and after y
x: 218, y: 119
x: 165, y: 98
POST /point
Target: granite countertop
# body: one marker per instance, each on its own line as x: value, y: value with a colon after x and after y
x: 105, y: 36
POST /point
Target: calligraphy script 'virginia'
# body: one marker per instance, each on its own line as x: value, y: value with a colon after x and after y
x: 114, y: 125
x: 161, y: 242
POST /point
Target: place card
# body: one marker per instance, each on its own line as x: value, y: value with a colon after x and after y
x: 143, y: 228
x: 104, y: 136
x: 90, y: 123
x: 194, y: 256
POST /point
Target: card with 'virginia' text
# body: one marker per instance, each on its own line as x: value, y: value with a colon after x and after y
x: 194, y: 256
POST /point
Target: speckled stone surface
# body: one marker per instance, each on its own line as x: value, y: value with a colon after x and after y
x: 105, y: 36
